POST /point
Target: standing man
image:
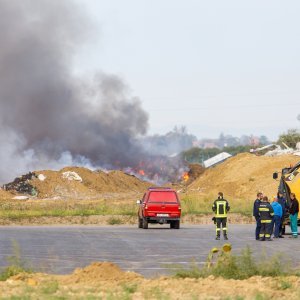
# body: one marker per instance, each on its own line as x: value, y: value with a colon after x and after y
x: 256, y: 214
x: 277, y: 217
x: 266, y: 213
x: 283, y: 203
x: 294, y: 209
x: 221, y: 207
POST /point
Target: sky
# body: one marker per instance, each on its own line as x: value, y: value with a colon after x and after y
x: 213, y: 66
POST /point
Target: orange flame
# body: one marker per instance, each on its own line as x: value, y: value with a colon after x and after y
x: 142, y: 172
x: 185, y: 176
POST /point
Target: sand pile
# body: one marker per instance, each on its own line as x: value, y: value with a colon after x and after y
x: 5, y: 194
x: 99, y: 271
x: 93, y: 183
x: 243, y: 175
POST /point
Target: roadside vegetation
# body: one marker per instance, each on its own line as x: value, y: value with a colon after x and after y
x: 222, y: 263
x: 192, y: 204
x: 15, y: 263
x: 224, y: 276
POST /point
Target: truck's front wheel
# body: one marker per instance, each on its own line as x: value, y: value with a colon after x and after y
x: 140, y: 222
x: 145, y: 223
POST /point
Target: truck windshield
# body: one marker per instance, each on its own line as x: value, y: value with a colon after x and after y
x: 161, y: 196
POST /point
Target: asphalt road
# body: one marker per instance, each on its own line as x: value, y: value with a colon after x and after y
x: 149, y: 252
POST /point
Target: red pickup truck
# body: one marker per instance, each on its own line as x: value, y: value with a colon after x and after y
x: 159, y: 205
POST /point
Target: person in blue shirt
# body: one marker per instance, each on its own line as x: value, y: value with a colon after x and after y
x: 277, y: 217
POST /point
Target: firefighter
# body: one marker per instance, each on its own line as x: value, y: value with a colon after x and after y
x: 221, y: 207
x: 256, y: 214
x: 266, y: 213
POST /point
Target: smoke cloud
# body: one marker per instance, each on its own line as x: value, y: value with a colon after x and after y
x: 49, y: 117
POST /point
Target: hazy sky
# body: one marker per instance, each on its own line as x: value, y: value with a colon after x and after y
x: 213, y: 66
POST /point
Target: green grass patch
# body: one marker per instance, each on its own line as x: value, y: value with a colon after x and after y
x: 222, y: 263
x: 16, y: 264
x: 59, y: 208
x: 50, y: 287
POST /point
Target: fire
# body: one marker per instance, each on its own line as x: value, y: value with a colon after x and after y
x: 142, y: 172
x: 185, y: 176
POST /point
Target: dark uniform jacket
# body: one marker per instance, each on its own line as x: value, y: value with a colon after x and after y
x: 266, y: 212
x: 221, y: 207
x: 255, y: 208
x: 294, y: 207
x: 283, y: 203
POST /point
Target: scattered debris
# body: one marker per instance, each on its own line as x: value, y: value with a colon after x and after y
x: 21, y: 197
x: 70, y: 175
x: 216, y: 159
x: 22, y: 185
x: 41, y: 177
x: 275, y: 150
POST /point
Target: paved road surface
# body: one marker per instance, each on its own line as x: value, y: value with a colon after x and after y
x: 61, y: 249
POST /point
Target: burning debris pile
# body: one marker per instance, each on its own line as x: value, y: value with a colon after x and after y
x: 22, y: 184
x: 160, y: 169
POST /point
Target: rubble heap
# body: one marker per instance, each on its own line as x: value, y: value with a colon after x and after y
x: 22, y: 185
x: 75, y: 183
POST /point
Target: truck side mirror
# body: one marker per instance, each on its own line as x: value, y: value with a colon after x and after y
x: 275, y: 175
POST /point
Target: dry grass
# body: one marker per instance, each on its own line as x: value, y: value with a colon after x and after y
x: 195, y: 203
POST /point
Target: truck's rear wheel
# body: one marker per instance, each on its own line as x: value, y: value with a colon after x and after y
x: 140, y: 222
x: 145, y: 223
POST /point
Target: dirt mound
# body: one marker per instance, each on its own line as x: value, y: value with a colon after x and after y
x: 5, y: 195
x: 99, y: 271
x: 243, y: 175
x: 51, y: 184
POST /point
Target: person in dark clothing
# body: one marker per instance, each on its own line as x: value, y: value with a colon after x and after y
x: 256, y: 214
x: 266, y: 213
x: 294, y: 210
x: 282, y: 201
x: 221, y: 207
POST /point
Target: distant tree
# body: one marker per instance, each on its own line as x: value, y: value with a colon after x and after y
x: 233, y: 150
x: 263, y: 140
x: 198, y: 155
x: 291, y: 138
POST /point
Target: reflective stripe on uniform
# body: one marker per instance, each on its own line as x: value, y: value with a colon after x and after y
x: 221, y: 209
x: 265, y: 221
x: 263, y: 209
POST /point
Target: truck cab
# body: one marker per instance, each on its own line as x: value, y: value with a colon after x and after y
x: 159, y: 205
x: 289, y: 182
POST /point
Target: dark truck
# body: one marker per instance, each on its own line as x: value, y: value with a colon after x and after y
x: 159, y: 205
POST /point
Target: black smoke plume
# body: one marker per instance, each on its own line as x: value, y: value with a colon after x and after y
x: 49, y: 116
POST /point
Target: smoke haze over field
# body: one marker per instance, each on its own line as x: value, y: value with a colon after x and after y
x: 50, y: 117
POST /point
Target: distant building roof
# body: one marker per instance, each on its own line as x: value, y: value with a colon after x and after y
x: 216, y: 159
